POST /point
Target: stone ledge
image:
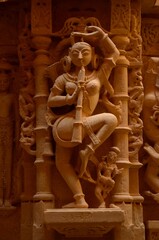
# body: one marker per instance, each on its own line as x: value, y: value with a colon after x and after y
x: 83, y: 222
x: 152, y: 227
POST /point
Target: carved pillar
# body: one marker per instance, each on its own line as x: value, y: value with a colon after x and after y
x: 41, y: 94
x: 136, y: 96
x: 126, y: 193
x: 120, y: 28
x: 41, y: 28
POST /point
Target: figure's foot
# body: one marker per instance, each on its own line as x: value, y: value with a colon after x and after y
x: 79, y: 202
x: 102, y: 205
x: 113, y: 206
x: 75, y: 205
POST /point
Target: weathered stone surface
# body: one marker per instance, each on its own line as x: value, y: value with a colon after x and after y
x: 79, y: 107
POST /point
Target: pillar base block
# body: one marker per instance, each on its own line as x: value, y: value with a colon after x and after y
x: 122, y: 198
x: 83, y: 222
x: 43, y: 196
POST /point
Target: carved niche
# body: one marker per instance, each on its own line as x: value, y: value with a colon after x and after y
x: 79, y: 35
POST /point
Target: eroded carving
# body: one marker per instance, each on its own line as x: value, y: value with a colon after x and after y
x: 7, y: 117
x: 27, y: 90
x: 76, y: 94
x: 120, y: 16
x: 136, y: 95
x: 150, y: 35
x: 41, y: 16
x: 134, y: 49
x: 150, y: 117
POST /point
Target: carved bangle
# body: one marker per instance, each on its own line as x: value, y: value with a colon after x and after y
x: 105, y: 36
x: 66, y: 99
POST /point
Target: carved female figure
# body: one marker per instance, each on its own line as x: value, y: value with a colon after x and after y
x: 6, y: 133
x: 106, y: 171
x: 80, y: 87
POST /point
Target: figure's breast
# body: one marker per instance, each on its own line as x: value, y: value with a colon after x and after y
x: 93, y: 86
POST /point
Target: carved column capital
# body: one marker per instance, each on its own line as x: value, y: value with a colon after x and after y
x: 41, y: 42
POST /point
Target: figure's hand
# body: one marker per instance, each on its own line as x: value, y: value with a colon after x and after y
x: 71, y: 99
x: 95, y: 31
x: 91, y: 32
x: 120, y: 170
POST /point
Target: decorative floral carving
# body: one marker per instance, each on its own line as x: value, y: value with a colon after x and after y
x: 134, y: 49
x: 27, y: 112
x: 136, y: 95
x: 76, y: 24
x: 26, y: 101
x: 120, y: 20
x: 150, y: 35
x: 41, y: 16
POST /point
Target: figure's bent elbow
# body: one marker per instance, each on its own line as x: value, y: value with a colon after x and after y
x: 116, y: 54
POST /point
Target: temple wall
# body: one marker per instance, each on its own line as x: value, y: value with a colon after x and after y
x: 50, y: 185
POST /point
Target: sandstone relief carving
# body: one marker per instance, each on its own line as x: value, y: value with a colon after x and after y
x: 136, y: 95
x: 7, y: 117
x: 106, y: 171
x: 120, y: 17
x: 150, y: 36
x: 134, y: 48
x: 151, y: 123
x: 27, y: 90
x: 75, y: 95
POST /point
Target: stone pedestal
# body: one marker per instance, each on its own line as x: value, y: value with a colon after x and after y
x: 83, y: 222
x: 152, y: 228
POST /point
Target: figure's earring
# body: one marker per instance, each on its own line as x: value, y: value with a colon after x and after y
x: 66, y: 62
x: 95, y: 60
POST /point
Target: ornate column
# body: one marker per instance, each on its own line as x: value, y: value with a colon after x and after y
x: 126, y: 193
x: 120, y: 25
x: 41, y: 23
x: 41, y: 28
x: 136, y: 96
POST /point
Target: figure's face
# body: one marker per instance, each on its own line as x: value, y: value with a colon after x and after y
x: 4, y: 81
x: 81, y: 54
x: 112, y: 156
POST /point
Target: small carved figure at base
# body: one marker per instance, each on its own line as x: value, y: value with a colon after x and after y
x: 106, y: 171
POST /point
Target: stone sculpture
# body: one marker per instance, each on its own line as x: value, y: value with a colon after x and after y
x: 106, y: 171
x: 80, y: 89
x: 151, y: 123
x: 6, y: 132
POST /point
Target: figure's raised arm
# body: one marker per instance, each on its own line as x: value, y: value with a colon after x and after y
x: 97, y: 35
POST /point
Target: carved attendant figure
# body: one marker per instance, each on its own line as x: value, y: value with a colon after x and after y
x: 106, y: 171
x: 6, y: 133
x: 80, y: 87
